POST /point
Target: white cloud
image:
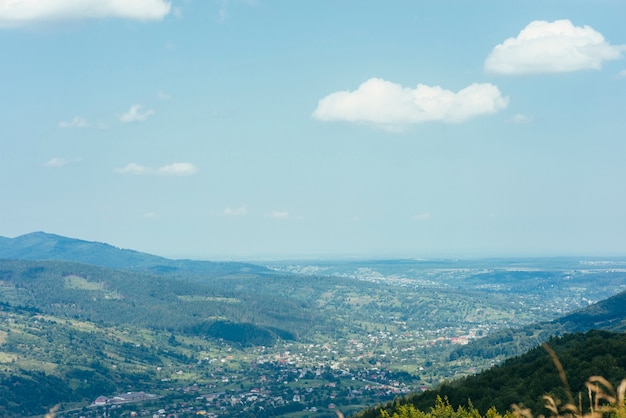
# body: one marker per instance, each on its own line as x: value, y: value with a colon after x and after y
x: 277, y: 214
x: 552, y: 47
x: 61, y: 162
x: 621, y: 74
x: 133, y: 168
x: 77, y: 122
x: 395, y: 107
x: 242, y: 210
x: 177, y: 169
x: 421, y: 216
x: 136, y: 113
x: 174, y: 169
x: 15, y: 13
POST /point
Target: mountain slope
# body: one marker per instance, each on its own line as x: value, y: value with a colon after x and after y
x: 525, y: 379
x: 44, y: 246
x: 608, y: 314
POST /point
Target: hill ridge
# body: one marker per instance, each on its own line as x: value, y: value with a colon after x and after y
x: 41, y: 245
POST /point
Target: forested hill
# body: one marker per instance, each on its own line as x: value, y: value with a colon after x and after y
x: 525, y: 379
x: 115, y: 298
x: 608, y: 314
x: 44, y: 246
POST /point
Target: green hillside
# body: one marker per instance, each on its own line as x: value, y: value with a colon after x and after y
x: 608, y: 314
x: 525, y: 379
x: 70, y: 332
x: 111, y: 297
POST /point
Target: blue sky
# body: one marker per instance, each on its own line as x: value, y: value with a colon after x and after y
x: 271, y: 129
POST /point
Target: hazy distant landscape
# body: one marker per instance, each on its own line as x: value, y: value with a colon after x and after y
x: 276, y: 339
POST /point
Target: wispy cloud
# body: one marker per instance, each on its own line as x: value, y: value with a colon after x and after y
x: 241, y: 210
x: 133, y: 168
x: 421, y: 216
x: 394, y: 107
x: 621, y: 74
x: 58, y: 162
x: 151, y: 215
x: 136, y: 113
x: 177, y: 169
x: 277, y: 214
x: 552, y: 47
x: 225, y: 5
x: 76, y: 122
x: 520, y: 118
x: 174, y: 169
x: 16, y: 13
x: 161, y: 95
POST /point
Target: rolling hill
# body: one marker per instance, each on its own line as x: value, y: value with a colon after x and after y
x: 117, y: 297
x: 70, y: 332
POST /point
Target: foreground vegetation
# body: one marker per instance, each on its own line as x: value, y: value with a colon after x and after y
x: 525, y: 380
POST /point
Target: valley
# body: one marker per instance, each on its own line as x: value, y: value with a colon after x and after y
x: 285, y: 339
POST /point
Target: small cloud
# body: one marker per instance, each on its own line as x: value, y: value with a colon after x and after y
x: 161, y: 95
x: 77, y: 122
x: 136, y: 113
x: 61, y: 162
x: 277, y: 214
x: 151, y: 215
x: 621, y: 74
x: 174, y: 169
x: 16, y: 13
x: 177, y: 169
x: 169, y: 45
x: 242, y: 210
x: 421, y: 216
x: 520, y: 118
x: 133, y: 168
x: 394, y: 107
x: 223, y: 13
x: 552, y: 47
